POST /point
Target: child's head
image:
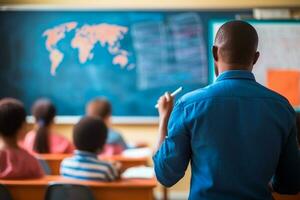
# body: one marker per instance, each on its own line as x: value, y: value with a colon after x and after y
x: 90, y: 134
x: 99, y: 107
x: 44, y: 112
x: 12, y: 117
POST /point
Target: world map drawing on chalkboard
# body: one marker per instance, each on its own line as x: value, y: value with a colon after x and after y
x: 129, y: 57
x: 85, y: 39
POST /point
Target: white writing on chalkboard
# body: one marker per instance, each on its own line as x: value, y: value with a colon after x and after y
x: 170, y: 52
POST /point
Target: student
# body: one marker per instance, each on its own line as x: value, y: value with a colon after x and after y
x: 115, y: 143
x: 15, y: 163
x: 42, y: 139
x: 89, y: 136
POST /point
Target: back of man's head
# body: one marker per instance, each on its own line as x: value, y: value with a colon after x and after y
x: 236, y: 45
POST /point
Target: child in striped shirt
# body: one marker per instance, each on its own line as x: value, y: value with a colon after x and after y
x: 89, y: 136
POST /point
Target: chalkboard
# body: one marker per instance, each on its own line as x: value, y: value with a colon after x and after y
x: 278, y: 67
x: 130, y: 57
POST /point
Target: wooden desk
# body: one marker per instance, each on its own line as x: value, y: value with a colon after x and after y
x: 286, y: 197
x: 126, y: 162
x: 133, y: 189
x: 54, y: 160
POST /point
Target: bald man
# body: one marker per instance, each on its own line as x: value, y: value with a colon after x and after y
x: 238, y: 135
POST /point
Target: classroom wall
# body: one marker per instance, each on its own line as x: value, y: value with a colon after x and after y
x: 131, y: 132
x: 146, y: 4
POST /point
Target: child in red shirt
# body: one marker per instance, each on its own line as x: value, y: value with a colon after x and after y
x: 15, y: 162
x: 42, y: 139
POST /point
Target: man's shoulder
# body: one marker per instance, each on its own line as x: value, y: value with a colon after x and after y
x: 275, y: 96
x: 198, y: 95
x: 218, y: 91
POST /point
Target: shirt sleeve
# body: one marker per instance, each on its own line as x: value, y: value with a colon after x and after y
x: 172, y: 158
x: 287, y: 176
x: 122, y: 142
x: 39, y: 172
x: 35, y: 170
x: 116, y: 138
x: 112, y: 173
x: 70, y: 148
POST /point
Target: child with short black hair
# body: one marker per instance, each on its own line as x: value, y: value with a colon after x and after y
x: 89, y: 136
x: 15, y: 163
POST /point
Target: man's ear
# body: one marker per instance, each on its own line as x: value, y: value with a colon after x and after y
x: 256, y: 56
x: 215, y: 53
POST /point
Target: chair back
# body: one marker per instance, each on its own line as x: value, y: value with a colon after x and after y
x: 63, y: 191
x: 4, y: 193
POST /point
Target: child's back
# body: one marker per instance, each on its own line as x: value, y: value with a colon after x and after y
x: 57, y: 143
x: 15, y: 163
x: 85, y: 165
x: 89, y: 136
x: 42, y: 139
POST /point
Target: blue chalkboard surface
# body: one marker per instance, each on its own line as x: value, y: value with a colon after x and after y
x: 130, y: 57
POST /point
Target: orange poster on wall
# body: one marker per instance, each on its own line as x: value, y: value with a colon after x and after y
x: 286, y: 82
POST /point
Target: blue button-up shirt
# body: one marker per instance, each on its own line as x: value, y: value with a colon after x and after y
x: 238, y: 135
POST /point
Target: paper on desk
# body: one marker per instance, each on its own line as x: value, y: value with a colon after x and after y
x: 137, y: 153
x: 138, y: 172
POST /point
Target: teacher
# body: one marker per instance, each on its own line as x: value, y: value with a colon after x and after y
x: 238, y: 135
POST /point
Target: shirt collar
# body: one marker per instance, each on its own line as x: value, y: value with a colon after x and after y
x: 85, y: 153
x: 236, y: 74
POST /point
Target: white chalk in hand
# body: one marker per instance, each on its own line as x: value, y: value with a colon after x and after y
x: 173, y: 94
